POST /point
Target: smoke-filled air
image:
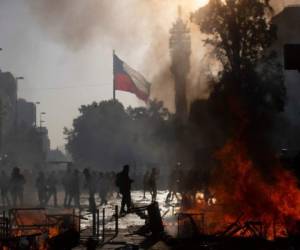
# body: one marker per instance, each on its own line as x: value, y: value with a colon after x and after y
x: 149, y: 124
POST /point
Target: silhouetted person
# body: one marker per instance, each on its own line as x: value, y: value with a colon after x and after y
x: 66, y: 183
x: 51, y: 183
x: 17, y: 182
x: 146, y: 183
x: 74, y: 192
x: 90, y: 184
x: 4, y: 186
x: 41, y: 188
x: 174, y: 180
x: 152, y: 184
x: 104, y: 182
x: 124, y: 183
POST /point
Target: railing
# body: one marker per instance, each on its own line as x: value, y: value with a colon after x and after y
x: 96, y: 229
x: 4, y: 226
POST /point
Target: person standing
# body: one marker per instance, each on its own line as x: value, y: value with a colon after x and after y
x: 174, y: 181
x: 146, y: 183
x: 152, y: 184
x: 41, y: 188
x: 4, y: 186
x: 90, y: 184
x: 17, y: 182
x: 124, y: 183
x: 66, y: 183
x: 74, y: 189
x: 104, y: 183
x: 51, y: 183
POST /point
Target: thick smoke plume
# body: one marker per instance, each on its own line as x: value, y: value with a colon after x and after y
x: 132, y: 27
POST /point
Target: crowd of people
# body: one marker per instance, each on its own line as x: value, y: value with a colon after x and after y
x: 72, y: 183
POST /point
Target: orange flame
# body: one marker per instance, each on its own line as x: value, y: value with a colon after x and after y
x: 241, y: 188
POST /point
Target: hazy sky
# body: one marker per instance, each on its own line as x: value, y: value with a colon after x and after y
x: 63, y: 49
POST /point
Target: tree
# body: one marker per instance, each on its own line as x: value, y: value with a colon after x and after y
x: 241, y: 34
x: 248, y: 92
x: 106, y: 136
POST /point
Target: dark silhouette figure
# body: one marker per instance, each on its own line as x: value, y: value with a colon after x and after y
x: 146, y: 183
x: 17, y: 182
x: 51, y: 183
x: 90, y: 184
x: 104, y: 183
x: 174, y: 180
x: 41, y: 188
x: 152, y: 184
x: 4, y: 186
x: 66, y: 183
x: 74, y: 190
x: 124, y: 183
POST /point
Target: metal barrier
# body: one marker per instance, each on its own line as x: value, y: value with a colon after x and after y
x: 4, y: 227
x: 97, y: 229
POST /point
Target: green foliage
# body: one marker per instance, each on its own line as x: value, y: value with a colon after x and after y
x: 105, y: 135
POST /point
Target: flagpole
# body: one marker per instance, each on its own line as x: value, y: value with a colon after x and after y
x: 114, y: 89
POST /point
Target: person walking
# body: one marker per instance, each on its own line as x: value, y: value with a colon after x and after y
x: 51, y: 183
x: 124, y: 182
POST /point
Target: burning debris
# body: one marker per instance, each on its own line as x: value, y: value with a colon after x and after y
x: 227, y: 186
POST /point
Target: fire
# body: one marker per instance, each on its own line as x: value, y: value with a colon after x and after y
x: 242, y: 189
x: 243, y: 194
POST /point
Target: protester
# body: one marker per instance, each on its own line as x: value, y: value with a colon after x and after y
x: 66, y: 183
x: 174, y: 182
x: 51, y: 183
x: 41, y: 188
x: 146, y: 183
x: 103, y: 187
x: 90, y: 184
x: 17, y: 182
x: 152, y: 184
x: 74, y: 189
x: 124, y: 183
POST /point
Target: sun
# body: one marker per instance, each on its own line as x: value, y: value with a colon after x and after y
x: 201, y: 3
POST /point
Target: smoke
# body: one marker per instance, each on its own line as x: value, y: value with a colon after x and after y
x: 139, y: 27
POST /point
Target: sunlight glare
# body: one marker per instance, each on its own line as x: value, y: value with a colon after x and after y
x: 201, y: 3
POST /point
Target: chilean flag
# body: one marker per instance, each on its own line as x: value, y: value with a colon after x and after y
x: 129, y: 80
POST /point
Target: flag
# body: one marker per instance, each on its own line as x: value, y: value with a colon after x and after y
x: 129, y: 80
